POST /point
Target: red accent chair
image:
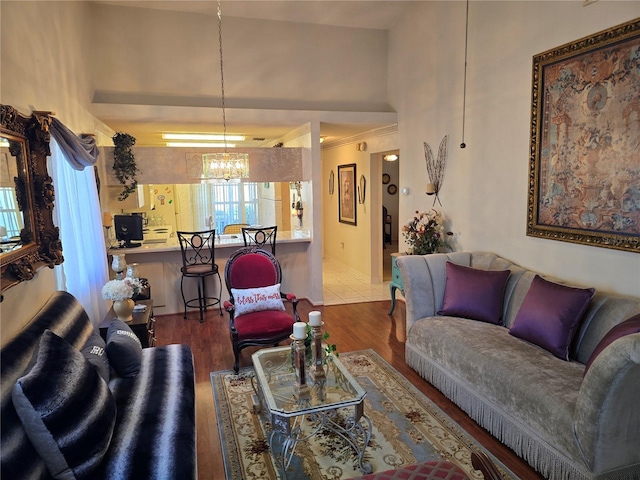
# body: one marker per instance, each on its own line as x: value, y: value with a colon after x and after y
x: 438, y: 470
x: 251, y: 267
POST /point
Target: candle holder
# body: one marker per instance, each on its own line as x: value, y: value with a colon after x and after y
x: 317, y: 355
x: 301, y: 389
x: 119, y: 265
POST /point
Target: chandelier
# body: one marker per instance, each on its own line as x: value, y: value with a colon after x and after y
x: 224, y: 166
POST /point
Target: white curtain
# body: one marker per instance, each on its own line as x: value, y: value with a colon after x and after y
x: 77, y: 214
x: 201, y: 206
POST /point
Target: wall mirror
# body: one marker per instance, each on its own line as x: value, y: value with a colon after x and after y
x: 28, y: 238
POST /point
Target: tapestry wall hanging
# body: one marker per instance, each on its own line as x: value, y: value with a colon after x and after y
x: 584, y: 175
x: 346, y: 196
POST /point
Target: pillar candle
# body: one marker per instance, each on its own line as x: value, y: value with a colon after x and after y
x: 315, y: 318
x: 299, y: 330
x: 431, y: 189
x: 107, y: 219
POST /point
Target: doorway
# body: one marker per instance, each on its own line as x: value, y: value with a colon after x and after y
x: 390, y: 208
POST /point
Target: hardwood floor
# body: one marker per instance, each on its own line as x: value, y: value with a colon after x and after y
x: 351, y: 327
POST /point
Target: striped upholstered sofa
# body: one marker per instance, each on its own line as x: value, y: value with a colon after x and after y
x: 138, y: 427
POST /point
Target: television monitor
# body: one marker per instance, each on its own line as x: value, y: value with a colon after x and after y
x: 128, y: 227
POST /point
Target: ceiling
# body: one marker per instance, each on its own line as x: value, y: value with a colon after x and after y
x: 146, y: 122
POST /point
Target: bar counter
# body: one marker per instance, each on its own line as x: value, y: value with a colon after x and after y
x: 160, y: 263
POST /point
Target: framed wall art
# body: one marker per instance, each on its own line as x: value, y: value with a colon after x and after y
x: 346, y: 196
x: 584, y: 180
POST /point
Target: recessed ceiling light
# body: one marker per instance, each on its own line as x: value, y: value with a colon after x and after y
x: 200, y: 144
x: 215, y: 137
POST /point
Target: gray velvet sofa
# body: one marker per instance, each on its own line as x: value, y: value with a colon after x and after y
x: 566, y: 424
x: 150, y: 428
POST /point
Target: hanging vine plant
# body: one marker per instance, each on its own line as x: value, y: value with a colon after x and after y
x: 124, y: 163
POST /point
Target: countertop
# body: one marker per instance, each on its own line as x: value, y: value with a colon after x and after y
x: 222, y: 241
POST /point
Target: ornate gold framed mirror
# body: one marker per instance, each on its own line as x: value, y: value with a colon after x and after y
x: 28, y: 238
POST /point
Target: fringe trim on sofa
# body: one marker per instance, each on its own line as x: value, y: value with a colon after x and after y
x: 526, y: 443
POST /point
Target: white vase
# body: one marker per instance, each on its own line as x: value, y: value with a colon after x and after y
x: 124, y: 309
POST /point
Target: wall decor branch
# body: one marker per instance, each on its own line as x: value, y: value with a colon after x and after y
x: 436, y: 168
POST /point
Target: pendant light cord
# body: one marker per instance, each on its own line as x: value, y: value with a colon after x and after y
x: 224, y: 116
x: 464, y: 93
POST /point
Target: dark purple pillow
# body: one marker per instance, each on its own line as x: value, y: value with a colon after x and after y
x: 473, y: 293
x: 629, y: 326
x: 550, y: 314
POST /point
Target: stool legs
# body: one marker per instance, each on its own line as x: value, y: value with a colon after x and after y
x: 202, y: 296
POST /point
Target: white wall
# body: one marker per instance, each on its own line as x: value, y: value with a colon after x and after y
x: 308, y: 138
x: 45, y: 51
x: 485, y: 185
x: 350, y: 244
x: 160, y: 56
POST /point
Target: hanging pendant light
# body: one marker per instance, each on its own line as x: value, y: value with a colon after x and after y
x: 224, y: 166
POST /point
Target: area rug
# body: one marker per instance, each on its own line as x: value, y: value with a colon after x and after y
x: 408, y: 428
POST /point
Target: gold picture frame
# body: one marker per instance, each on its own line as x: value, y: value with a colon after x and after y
x: 584, y: 181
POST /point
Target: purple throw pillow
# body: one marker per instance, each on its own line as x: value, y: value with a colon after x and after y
x: 629, y: 326
x: 473, y: 293
x: 550, y: 314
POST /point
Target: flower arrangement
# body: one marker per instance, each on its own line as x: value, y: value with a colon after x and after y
x: 121, y: 289
x: 425, y: 233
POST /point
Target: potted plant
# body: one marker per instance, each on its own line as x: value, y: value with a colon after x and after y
x: 124, y: 163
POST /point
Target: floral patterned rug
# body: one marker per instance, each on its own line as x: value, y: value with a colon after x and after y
x: 407, y: 428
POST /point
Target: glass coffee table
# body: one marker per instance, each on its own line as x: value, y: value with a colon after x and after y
x: 296, y: 418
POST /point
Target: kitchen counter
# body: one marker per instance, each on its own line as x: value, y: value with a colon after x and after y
x: 160, y: 263
x: 222, y: 241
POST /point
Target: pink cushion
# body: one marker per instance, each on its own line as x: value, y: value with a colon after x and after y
x: 438, y: 469
x: 272, y: 323
x: 473, y: 293
x: 629, y: 326
x: 550, y: 314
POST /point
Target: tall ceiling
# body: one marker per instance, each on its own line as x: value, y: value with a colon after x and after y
x: 146, y: 121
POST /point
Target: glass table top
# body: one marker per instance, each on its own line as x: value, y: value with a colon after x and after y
x: 276, y: 377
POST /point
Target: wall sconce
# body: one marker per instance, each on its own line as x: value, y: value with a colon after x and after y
x: 361, y: 147
x: 362, y: 187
